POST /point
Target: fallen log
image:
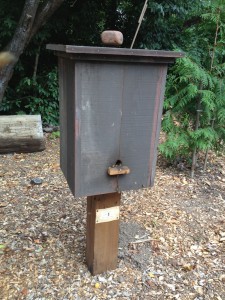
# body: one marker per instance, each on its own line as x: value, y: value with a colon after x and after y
x: 21, y: 133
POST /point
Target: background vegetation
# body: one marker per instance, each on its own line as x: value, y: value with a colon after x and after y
x: 194, y: 110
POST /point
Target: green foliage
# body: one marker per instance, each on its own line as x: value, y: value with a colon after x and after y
x: 84, y: 22
x: 197, y: 82
x: 54, y: 135
x: 35, y: 96
x: 192, y: 26
x: 179, y: 120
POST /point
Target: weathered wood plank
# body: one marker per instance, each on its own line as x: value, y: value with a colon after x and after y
x: 113, y: 51
x: 22, y: 133
x: 102, y: 238
x: 118, y: 170
x: 98, y: 98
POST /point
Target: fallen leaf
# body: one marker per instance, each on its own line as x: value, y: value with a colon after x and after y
x: 222, y: 278
x: 37, y: 241
x: 2, y: 246
x: 199, y: 289
x: 24, y: 292
x: 172, y: 221
x: 188, y: 267
x: 97, y: 285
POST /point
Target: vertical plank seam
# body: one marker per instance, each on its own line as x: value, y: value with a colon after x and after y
x: 121, y: 119
x: 155, y: 123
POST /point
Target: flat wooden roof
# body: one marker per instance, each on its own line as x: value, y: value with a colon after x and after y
x: 109, y: 53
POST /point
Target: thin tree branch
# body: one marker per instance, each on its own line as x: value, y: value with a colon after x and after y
x: 44, y: 12
x: 211, y: 68
x: 24, y: 27
x: 34, y: 15
x: 18, y: 42
x: 215, y: 41
x: 194, y: 154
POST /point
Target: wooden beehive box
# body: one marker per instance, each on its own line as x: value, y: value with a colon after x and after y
x: 110, y: 111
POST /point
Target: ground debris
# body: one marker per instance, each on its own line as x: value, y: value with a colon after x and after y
x: 172, y: 237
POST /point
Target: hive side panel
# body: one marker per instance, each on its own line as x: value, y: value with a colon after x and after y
x: 159, y: 97
x: 67, y: 113
x: 98, y: 117
x: 139, y: 123
x: 62, y: 116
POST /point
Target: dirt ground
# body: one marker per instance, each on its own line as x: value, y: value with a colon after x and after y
x: 172, y: 237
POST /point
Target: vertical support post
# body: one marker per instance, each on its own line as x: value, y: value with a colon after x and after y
x: 102, y: 232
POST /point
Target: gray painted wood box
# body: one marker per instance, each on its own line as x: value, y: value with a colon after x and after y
x: 110, y: 110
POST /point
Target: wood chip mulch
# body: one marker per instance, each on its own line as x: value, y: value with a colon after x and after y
x: 172, y: 240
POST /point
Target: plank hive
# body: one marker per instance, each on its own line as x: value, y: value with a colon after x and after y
x: 110, y: 115
x: 110, y: 110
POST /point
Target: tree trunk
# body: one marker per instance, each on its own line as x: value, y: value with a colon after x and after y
x: 34, y: 15
x: 18, y: 42
x: 43, y: 14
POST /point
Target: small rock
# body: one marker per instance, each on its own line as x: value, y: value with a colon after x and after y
x: 120, y: 279
x: 184, y: 181
x: 194, y: 247
x: 171, y: 286
x: 201, y: 282
x: 110, y: 278
x: 222, y: 278
x: 126, y: 294
x: 43, y: 262
x: 56, y: 128
x: 48, y: 129
x: 102, y: 279
x: 36, y: 181
x: 199, y: 289
x: 112, y: 37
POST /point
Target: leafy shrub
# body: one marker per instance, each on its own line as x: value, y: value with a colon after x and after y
x: 54, y: 135
x: 191, y: 88
x: 195, y: 95
x: 35, y: 96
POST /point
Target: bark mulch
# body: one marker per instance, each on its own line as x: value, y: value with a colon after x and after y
x: 172, y: 237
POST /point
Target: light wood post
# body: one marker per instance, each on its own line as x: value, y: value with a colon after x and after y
x: 102, y: 232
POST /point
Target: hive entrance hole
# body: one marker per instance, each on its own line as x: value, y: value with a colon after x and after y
x: 118, y: 163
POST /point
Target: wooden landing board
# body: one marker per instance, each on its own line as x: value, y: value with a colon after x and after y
x: 102, y: 235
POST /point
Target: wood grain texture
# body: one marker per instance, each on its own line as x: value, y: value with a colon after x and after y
x: 117, y: 170
x: 102, y: 238
x: 110, y: 110
x: 113, y: 51
x: 115, y: 58
x: 67, y: 120
x: 98, y: 117
x: 21, y: 133
x: 141, y: 105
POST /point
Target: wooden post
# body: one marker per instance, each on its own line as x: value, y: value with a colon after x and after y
x: 102, y: 232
